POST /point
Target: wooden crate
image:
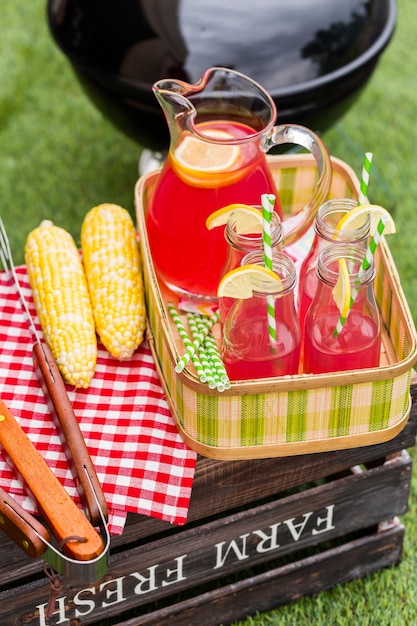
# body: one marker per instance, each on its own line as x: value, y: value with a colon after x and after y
x: 260, y: 533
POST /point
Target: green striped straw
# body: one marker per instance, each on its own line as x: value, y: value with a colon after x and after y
x: 366, y: 263
x: 205, y: 361
x: 212, y: 350
x: 366, y: 169
x: 368, y: 258
x: 268, y: 201
x: 206, y: 346
x: 186, y: 341
x: 192, y: 348
x: 363, y: 190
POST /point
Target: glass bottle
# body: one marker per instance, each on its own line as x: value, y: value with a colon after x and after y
x: 241, y: 244
x: 328, y: 216
x: 248, y: 350
x: 357, y: 345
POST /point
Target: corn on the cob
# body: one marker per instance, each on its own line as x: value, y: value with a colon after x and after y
x: 62, y: 302
x: 114, y: 276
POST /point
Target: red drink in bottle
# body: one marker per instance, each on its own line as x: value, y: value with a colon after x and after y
x: 332, y: 346
x: 249, y: 351
x: 326, y: 234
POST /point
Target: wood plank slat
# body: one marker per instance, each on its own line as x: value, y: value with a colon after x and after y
x: 229, y: 545
x: 283, y: 585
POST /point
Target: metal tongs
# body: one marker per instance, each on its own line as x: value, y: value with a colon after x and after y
x: 81, y: 553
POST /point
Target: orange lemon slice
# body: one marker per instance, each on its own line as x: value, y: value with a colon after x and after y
x: 247, y: 218
x: 205, y: 164
x: 355, y: 218
x: 243, y: 281
x: 342, y: 289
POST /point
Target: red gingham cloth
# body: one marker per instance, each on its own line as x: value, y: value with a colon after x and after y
x: 141, y: 461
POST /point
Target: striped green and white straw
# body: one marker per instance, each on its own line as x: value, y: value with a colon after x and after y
x: 268, y: 202
x: 212, y: 350
x: 364, y: 182
x: 366, y: 263
x: 186, y: 341
x: 191, y: 349
x: 202, y: 353
x: 363, y: 190
x: 202, y: 349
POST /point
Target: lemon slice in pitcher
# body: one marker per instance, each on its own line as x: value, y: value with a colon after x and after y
x: 244, y: 280
x: 355, y: 218
x: 207, y: 157
x: 247, y: 218
x: 342, y: 289
x: 203, y: 164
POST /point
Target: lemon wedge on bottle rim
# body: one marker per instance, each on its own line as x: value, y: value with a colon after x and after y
x: 247, y: 218
x: 342, y: 290
x: 242, y: 281
x: 355, y: 218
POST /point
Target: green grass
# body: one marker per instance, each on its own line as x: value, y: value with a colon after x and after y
x: 59, y: 157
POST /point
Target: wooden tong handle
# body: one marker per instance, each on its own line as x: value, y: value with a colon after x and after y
x: 62, y: 515
x: 72, y: 439
x: 20, y: 526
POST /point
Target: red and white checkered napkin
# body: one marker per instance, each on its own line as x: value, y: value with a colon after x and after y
x: 141, y: 461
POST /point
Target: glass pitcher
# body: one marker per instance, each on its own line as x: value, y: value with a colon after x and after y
x: 220, y: 130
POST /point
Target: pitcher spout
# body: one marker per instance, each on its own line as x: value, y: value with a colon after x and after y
x: 172, y: 96
x: 231, y: 95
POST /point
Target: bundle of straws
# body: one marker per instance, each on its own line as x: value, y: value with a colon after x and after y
x: 201, y: 348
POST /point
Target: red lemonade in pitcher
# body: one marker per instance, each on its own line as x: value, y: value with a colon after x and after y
x: 199, y: 177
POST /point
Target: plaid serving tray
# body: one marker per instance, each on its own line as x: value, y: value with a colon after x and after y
x: 291, y: 414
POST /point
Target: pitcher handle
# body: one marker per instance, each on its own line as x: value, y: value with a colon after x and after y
x: 296, y: 225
